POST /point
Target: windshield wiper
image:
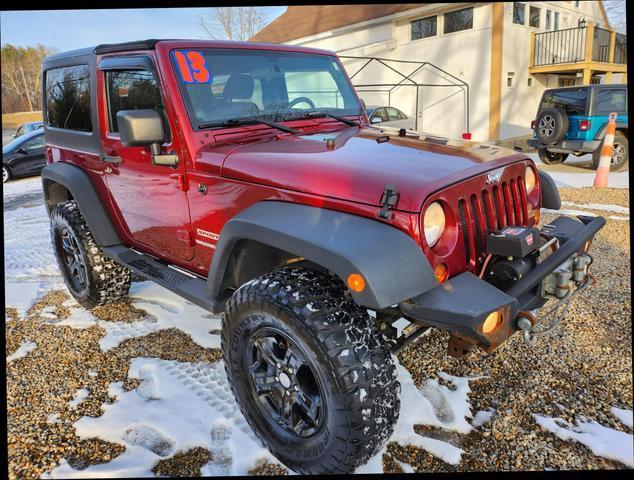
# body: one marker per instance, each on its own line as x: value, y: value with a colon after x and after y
x: 236, y: 122
x: 320, y: 113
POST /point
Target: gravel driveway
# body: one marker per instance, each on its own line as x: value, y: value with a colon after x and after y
x: 59, y: 376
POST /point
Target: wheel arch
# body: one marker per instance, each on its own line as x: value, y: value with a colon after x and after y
x: 62, y: 182
x: 270, y: 233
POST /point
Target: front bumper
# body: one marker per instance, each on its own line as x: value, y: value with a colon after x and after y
x: 461, y: 305
x: 566, y: 146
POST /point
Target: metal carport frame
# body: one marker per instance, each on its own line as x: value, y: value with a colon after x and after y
x: 408, y: 78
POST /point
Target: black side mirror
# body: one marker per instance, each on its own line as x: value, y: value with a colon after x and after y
x: 22, y: 150
x: 144, y: 128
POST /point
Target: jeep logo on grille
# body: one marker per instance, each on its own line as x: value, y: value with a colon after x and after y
x: 494, y: 177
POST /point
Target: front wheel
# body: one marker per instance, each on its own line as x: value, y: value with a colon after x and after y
x: 6, y: 174
x: 309, y: 370
x: 621, y: 152
x: 551, y: 158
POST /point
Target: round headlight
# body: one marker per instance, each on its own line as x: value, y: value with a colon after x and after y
x: 433, y: 223
x: 530, y: 180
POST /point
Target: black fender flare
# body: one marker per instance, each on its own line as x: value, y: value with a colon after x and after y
x: 78, y: 183
x: 391, y: 262
x: 550, y: 192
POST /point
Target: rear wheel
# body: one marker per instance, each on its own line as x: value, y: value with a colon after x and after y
x: 551, y: 158
x: 309, y: 370
x: 621, y: 153
x: 91, y: 277
x: 6, y: 174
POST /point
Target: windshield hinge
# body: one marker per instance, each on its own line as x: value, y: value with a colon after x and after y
x: 389, y: 199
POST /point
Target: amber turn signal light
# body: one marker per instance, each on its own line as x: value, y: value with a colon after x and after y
x: 356, y: 282
x: 493, y: 321
x: 441, y: 272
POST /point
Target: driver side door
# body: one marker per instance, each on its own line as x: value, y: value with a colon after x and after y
x: 150, y: 199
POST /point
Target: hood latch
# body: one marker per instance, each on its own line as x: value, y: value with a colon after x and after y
x: 389, y: 199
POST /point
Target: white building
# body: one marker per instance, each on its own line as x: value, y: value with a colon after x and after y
x: 507, y: 53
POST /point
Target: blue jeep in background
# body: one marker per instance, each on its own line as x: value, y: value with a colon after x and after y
x: 574, y: 119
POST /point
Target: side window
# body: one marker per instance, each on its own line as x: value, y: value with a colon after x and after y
x: 380, y: 112
x: 392, y: 113
x: 68, y: 98
x: 401, y: 115
x: 611, y: 100
x: 131, y: 90
x: 34, y: 143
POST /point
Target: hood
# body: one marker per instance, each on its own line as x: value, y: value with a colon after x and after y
x: 361, y: 163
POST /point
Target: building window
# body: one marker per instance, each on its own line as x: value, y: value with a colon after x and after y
x: 68, y: 98
x: 530, y: 81
x: 577, y: 4
x: 458, y: 20
x: 509, y: 81
x: 556, y: 20
x: 548, y: 19
x: 534, y: 16
x: 519, y: 13
x: 424, y: 27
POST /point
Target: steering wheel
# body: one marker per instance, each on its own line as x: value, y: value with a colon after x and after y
x: 297, y: 100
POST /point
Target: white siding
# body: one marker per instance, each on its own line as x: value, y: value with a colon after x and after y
x: 520, y: 102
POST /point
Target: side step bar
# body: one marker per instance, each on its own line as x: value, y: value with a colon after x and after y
x: 190, y: 288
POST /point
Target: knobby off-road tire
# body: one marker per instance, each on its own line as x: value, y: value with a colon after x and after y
x: 551, y: 158
x: 346, y: 362
x: 91, y: 277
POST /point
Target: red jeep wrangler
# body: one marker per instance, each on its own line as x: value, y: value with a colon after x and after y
x: 247, y: 178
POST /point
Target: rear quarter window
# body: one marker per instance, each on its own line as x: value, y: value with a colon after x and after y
x: 68, y: 98
x: 612, y: 100
x: 573, y: 101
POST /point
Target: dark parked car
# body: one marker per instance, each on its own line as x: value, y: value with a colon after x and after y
x: 27, y: 128
x: 23, y: 156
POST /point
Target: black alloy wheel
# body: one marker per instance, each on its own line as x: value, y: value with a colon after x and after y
x: 72, y: 259
x: 284, y: 382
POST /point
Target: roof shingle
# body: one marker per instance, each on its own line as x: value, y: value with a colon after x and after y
x: 305, y: 20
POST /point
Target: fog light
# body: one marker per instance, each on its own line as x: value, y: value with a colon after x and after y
x: 493, y: 321
x: 441, y: 272
x: 356, y: 282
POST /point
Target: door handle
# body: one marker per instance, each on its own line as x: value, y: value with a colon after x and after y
x: 109, y: 159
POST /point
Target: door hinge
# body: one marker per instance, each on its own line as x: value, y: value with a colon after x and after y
x: 389, y: 199
x: 181, y: 181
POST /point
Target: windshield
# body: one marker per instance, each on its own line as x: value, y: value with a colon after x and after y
x: 221, y: 85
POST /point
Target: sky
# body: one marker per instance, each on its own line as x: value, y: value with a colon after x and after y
x: 70, y: 29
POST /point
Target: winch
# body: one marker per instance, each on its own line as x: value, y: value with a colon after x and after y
x: 514, y: 252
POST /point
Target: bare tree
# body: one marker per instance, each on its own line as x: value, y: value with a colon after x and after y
x: 615, y: 9
x: 21, y: 77
x: 232, y: 23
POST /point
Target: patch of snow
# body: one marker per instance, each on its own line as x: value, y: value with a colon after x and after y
x: 435, y: 405
x: 406, y: 467
x: 603, y: 441
x: 22, y: 351
x: 93, y: 373
x: 624, y: 416
x: 482, y: 417
x: 606, y: 207
x: 80, y: 396
x: 52, y: 418
x: 21, y: 295
x: 196, y: 409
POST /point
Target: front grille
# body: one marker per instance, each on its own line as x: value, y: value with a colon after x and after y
x: 490, y: 209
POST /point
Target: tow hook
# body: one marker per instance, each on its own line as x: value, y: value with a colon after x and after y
x: 525, y: 325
